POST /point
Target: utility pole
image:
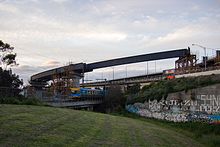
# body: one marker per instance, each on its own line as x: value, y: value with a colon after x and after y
x: 126, y: 71
x: 113, y: 73
x: 147, y: 68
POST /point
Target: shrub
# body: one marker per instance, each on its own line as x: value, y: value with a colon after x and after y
x: 161, y: 89
x: 20, y: 101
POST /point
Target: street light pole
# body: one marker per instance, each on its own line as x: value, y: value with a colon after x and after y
x: 205, y: 57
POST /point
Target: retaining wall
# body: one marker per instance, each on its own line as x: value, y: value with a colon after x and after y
x: 201, y: 104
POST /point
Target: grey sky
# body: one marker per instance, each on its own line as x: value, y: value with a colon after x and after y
x: 50, y: 33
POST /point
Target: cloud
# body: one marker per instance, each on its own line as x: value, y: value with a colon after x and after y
x: 25, y: 71
x: 185, y: 36
x: 44, y: 28
x: 48, y: 33
x: 195, y: 8
x: 51, y: 63
x: 8, y: 8
x: 59, y: 1
x: 149, y: 22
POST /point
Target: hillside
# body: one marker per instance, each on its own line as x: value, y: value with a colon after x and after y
x: 42, y: 126
x: 161, y: 89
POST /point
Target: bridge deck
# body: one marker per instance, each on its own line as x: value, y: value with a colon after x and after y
x: 129, y: 80
x: 83, y: 67
x: 78, y: 104
x: 138, y: 58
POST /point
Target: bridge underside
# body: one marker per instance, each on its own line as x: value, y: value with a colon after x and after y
x: 77, y: 104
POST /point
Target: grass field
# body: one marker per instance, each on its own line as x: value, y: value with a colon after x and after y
x: 22, y: 125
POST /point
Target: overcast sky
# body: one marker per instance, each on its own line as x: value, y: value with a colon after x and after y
x: 51, y: 33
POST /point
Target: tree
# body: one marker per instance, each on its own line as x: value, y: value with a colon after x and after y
x: 133, y: 89
x: 9, y: 83
x: 7, y: 79
x: 7, y: 57
x: 114, y: 99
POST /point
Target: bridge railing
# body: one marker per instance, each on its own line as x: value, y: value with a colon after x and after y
x: 74, y: 103
x: 126, y: 80
x: 67, y: 99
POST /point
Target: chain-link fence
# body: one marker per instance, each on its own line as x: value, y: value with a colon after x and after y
x: 9, y: 92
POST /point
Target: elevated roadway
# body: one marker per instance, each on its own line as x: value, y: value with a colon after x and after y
x: 153, y: 77
x: 80, y: 68
x: 126, y: 81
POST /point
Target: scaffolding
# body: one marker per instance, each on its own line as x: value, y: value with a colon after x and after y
x: 217, y: 59
x: 185, y: 64
x: 62, y: 82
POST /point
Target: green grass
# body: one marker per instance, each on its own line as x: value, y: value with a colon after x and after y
x: 207, y: 134
x: 26, y: 125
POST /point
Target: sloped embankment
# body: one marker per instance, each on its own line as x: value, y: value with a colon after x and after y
x: 194, y: 99
x: 42, y: 126
x: 161, y: 89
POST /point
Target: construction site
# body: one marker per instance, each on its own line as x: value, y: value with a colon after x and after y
x: 55, y: 85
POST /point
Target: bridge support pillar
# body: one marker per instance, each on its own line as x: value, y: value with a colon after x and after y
x: 39, y: 94
x: 38, y: 89
x: 90, y: 108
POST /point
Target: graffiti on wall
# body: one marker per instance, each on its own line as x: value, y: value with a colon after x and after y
x: 203, y: 108
x: 202, y: 103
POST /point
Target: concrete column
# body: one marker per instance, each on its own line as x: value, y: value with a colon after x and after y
x: 90, y: 108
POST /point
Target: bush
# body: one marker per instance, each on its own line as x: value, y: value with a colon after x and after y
x: 20, y: 101
x: 161, y: 89
x: 114, y: 100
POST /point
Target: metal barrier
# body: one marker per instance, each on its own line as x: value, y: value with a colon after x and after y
x: 132, y: 80
x: 9, y: 92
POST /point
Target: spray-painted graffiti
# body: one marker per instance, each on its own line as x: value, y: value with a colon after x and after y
x: 215, y: 119
x: 132, y: 108
x: 204, y: 108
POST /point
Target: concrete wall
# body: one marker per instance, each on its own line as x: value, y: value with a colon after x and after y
x: 203, y: 73
x: 201, y: 104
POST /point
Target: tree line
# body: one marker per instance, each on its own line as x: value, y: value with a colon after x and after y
x: 8, y: 80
